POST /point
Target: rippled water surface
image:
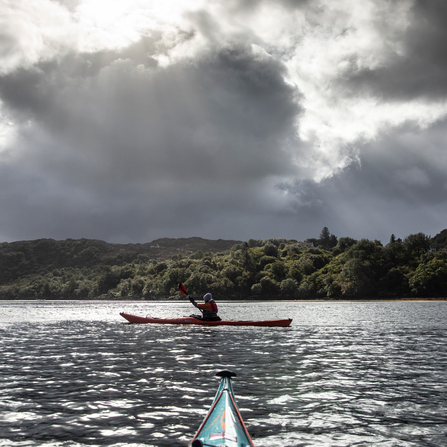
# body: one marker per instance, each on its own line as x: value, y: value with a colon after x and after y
x: 345, y: 373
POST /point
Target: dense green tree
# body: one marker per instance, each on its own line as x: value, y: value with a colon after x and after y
x: 357, y: 279
x: 325, y: 237
x: 289, y: 287
x: 271, y: 250
x: 333, y: 241
x: 430, y: 279
x: 246, y: 257
x: 266, y: 260
x: 137, y: 286
x: 173, y: 277
x: 269, y: 287
x: 440, y: 240
x: 244, y: 283
x: 304, y: 290
x: 364, y: 250
x: 198, y: 254
x: 295, y: 272
x: 395, y: 253
x: 108, y: 281
x: 310, y: 262
x: 394, y: 282
x: 255, y: 243
x: 198, y: 283
x: 344, y: 243
x: 268, y: 269
x: 160, y: 266
x: 332, y: 286
x: 256, y: 289
x: 326, y: 240
x: 231, y: 272
x: 278, y: 270
x: 417, y: 244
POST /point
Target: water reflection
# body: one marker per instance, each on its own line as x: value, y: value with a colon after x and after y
x: 344, y: 373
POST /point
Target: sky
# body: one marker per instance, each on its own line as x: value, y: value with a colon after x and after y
x: 128, y: 121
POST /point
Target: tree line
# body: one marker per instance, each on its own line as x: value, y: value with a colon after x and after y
x: 324, y: 267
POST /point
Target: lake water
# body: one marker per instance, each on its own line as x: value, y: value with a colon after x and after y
x: 73, y: 373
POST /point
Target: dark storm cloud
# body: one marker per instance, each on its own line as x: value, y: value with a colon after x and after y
x: 118, y: 137
x: 394, y: 188
x: 418, y: 68
x: 218, y: 117
x: 230, y: 120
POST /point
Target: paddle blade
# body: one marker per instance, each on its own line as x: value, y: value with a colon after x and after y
x: 182, y: 289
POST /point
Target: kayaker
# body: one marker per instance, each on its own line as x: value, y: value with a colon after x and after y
x: 208, y: 308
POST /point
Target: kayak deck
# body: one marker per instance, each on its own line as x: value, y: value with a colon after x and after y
x: 193, y: 320
x: 223, y: 424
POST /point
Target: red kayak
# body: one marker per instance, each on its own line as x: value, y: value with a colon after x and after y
x: 194, y: 320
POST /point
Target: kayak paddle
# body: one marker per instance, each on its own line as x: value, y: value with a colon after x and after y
x: 182, y: 289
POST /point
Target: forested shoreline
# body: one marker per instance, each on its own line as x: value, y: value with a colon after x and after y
x: 319, y: 268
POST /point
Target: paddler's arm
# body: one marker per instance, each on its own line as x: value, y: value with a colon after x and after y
x: 204, y: 306
x: 193, y: 302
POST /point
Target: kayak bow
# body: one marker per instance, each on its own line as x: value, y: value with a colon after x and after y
x: 223, y: 425
x: 197, y: 320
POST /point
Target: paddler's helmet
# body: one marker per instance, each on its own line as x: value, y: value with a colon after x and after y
x: 207, y: 297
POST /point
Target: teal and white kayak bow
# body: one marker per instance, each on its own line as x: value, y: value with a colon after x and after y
x: 223, y: 425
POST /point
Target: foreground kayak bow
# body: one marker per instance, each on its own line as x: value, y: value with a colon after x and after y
x: 195, y: 320
x: 223, y: 425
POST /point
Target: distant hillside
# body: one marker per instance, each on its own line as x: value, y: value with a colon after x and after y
x: 18, y: 259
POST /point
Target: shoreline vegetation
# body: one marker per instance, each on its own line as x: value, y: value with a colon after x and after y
x: 323, y: 269
x: 250, y: 299
x: 241, y: 299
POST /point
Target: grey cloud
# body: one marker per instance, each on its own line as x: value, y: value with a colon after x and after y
x: 395, y: 188
x: 113, y: 145
x: 419, y: 70
x: 224, y: 116
x: 116, y: 138
x: 249, y: 5
x: 70, y: 5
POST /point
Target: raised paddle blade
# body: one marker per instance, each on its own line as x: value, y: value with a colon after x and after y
x: 182, y: 289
